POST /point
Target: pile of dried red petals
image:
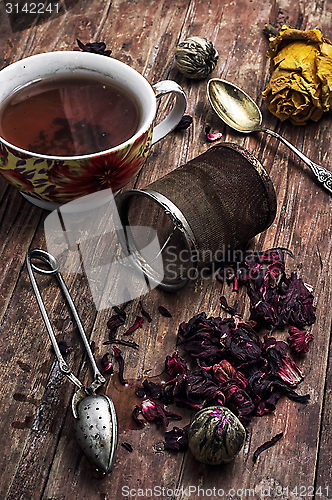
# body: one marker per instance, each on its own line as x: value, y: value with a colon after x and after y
x: 235, y: 366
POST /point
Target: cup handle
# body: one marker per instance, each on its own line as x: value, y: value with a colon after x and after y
x: 173, y: 118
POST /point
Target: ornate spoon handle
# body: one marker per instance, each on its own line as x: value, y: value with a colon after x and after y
x: 323, y: 176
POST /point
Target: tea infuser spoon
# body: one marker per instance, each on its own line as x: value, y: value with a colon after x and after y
x: 95, y: 419
x: 241, y: 113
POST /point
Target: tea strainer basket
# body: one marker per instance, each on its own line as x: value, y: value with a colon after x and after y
x: 201, y: 211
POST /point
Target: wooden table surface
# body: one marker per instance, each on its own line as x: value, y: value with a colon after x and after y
x: 39, y: 456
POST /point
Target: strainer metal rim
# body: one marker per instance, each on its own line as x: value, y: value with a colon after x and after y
x: 179, y: 221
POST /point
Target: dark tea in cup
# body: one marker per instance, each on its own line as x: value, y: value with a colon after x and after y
x: 74, y: 123
x: 69, y: 116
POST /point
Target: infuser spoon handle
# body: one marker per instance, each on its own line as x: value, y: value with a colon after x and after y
x: 322, y: 175
x: 48, y: 259
x: 51, y: 261
x: 97, y: 376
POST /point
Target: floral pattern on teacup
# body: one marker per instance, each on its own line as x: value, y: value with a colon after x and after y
x: 63, y: 181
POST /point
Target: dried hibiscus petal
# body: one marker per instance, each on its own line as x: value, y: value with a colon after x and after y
x: 223, y: 371
x: 243, y: 345
x: 120, y: 360
x: 137, y: 324
x: 140, y: 392
x: 153, y: 390
x: 154, y: 412
x: 127, y: 446
x: 195, y: 386
x: 145, y: 313
x: 115, y: 321
x: 299, y: 340
x: 172, y: 416
x: 135, y: 414
x: 296, y: 304
x: 184, y: 123
x: 94, y: 47
x: 211, y: 137
x: 177, y: 439
x: 238, y: 401
x: 175, y: 364
x: 106, y: 364
x: 267, y: 445
x: 261, y: 311
x: 280, y: 364
x: 266, y: 392
x: 127, y: 343
x: 164, y: 312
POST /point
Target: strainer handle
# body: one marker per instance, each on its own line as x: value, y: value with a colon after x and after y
x: 51, y: 261
x: 173, y: 118
x: 322, y: 175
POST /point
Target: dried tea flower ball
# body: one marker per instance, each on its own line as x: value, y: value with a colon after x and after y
x: 196, y: 57
x: 216, y: 435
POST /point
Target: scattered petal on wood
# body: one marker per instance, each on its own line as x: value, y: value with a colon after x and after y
x: 126, y: 343
x: 184, y: 123
x: 106, y: 364
x: 137, y: 324
x: 127, y: 446
x: 211, y: 137
x: 266, y: 446
x: 164, y: 312
x: 144, y: 312
x: 120, y: 360
x: 177, y: 439
x: 94, y: 47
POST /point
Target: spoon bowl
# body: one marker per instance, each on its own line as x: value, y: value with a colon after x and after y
x: 240, y: 112
x: 234, y: 106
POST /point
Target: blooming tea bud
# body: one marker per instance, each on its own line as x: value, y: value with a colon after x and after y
x: 216, y: 435
x: 196, y: 57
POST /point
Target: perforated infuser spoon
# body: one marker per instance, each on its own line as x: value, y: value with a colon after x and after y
x: 95, y: 420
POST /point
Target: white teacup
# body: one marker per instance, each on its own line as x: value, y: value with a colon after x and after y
x: 48, y: 180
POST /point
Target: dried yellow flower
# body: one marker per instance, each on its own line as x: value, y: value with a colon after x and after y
x: 301, y: 83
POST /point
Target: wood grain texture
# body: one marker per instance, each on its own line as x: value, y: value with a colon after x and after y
x: 40, y: 459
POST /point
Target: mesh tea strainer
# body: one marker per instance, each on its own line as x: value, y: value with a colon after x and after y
x: 213, y: 204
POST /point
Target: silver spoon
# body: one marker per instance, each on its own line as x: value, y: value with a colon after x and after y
x: 95, y: 420
x: 241, y: 113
